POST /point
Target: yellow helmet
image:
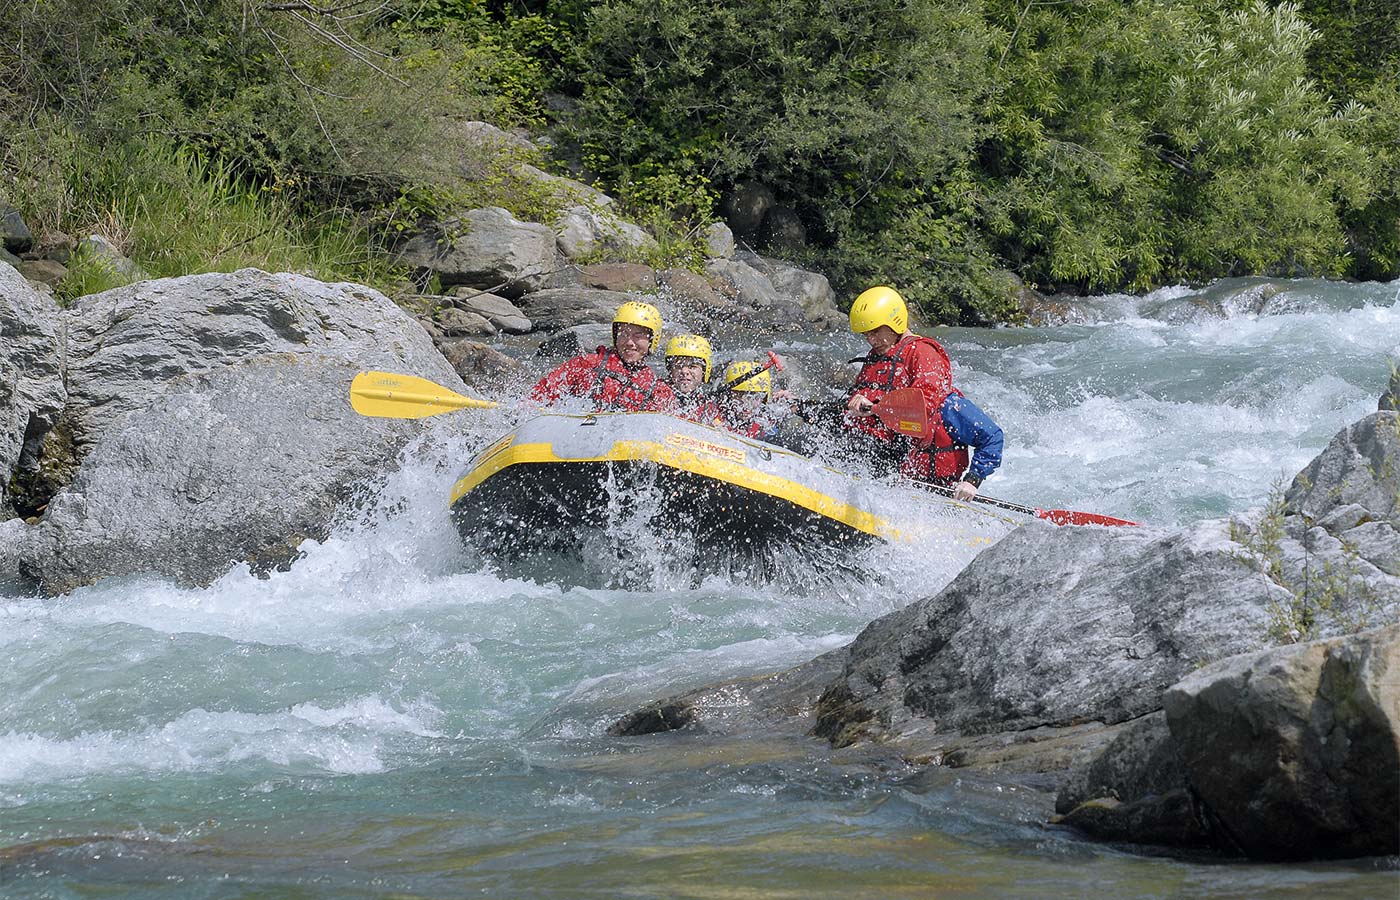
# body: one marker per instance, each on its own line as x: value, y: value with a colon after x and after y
x: 692, y: 346
x: 762, y: 383
x: 879, y: 306
x: 645, y: 315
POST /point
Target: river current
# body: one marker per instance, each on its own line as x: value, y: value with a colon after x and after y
x: 390, y: 718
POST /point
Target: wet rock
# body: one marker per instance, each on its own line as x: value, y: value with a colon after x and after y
x: 809, y: 290
x: 500, y: 312
x: 719, y: 241
x: 15, y: 236
x: 1296, y: 751
x: 484, y: 248
x: 621, y: 277
x: 175, y: 385
x: 482, y: 367
x: 1135, y: 790
x: 172, y: 490
x: 556, y: 308
x: 1051, y: 627
x: 693, y: 293
x: 32, y: 392
x: 569, y: 342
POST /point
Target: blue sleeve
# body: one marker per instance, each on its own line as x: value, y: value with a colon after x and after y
x: 966, y: 424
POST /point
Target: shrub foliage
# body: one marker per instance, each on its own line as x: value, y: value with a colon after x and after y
x: 933, y: 144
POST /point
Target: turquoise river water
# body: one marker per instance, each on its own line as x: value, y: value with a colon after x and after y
x: 390, y: 719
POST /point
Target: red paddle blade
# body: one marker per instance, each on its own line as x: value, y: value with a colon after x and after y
x: 1073, y: 517
x: 775, y: 361
x: 904, y: 411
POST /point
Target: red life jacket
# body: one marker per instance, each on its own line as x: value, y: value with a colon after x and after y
x: 914, y: 361
x: 609, y: 382
x: 697, y: 407
x: 939, y: 458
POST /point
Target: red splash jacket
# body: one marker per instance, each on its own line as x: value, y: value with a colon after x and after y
x: 609, y: 382
x: 917, y: 362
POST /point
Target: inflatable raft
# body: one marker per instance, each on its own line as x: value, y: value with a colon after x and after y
x: 555, y: 477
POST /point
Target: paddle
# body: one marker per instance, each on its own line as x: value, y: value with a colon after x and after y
x: 1057, y: 516
x: 388, y: 396
x: 904, y: 411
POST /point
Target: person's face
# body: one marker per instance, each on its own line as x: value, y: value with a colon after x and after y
x: 881, y: 339
x: 632, y: 342
x: 687, y: 373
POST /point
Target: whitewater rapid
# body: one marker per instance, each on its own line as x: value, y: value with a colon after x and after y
x: 391, y: 717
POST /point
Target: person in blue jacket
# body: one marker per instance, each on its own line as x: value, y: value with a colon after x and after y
x: 945, y: 460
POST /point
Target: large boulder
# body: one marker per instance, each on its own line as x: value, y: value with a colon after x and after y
x: 484, y: 248
x: 1296, y: 751
x: 32, y: 393
x: 1051, y: 627
x: 209, y: 418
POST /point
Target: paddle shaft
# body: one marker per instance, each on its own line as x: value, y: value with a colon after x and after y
x: 773, y: 363
x: 1058, y: 516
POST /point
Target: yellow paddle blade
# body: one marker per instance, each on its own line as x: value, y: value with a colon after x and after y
x: 388, y: 396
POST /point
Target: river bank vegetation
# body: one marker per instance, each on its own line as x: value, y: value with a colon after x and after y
x: 1086, y: 145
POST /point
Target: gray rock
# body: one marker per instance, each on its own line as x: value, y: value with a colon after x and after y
x: 499, y: 311
x: 96, y: 247
x: 692, y: 293
x: 556, y: 308
x: 1390, y: 400
x: 485, y: 248
x: 484, y: 367
x: 32, y: 392
x: 9, y: 258
x: 719, y: 241
x: 125, y: 340
x: 453, y: 322
x: 584, y: 231
x: 15, y: 236
x: 56, y: 246
x: 1360, y: 466
x: 236, y: 464
x: 1053, y: 626
x: 164, y: 435
x: 745, y: 284
x: 810, y: 291
x: 1296, y: 751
